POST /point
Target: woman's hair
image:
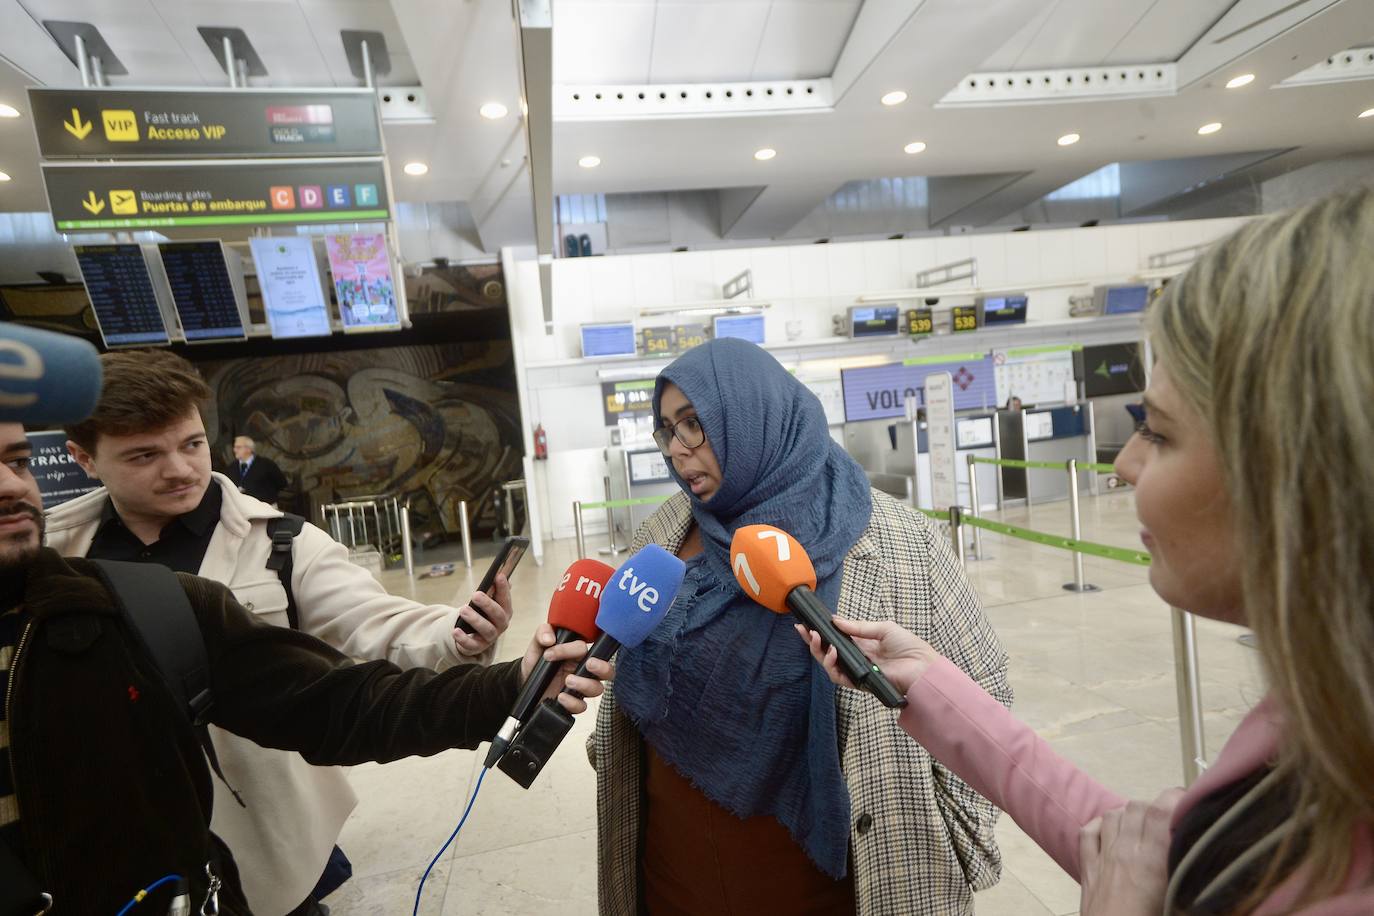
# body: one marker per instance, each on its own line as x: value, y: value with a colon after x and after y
x: 1269, y: 337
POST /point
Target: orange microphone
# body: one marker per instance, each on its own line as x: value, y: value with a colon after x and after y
x: 773, y: 569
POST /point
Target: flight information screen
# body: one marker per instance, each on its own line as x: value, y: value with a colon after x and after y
x: 201, y: 290
x: 121, y: 293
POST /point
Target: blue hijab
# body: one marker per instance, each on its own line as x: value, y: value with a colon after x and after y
x: 723, y: 689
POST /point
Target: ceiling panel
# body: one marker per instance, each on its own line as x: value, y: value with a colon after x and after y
x: 802, y: 40
x: 707, y: 40
x: 1168, y: 28
x: 277, y: 29
x: 135, y: 32
x: 596, y: 41
x: 328, y: 18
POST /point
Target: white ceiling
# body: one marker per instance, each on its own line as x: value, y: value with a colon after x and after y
x: 698, y: 41
x: 937, y: 43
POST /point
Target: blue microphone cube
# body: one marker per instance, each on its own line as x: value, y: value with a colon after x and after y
x: 639, y: 594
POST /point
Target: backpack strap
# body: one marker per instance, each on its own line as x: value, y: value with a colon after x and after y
x: 158, y: 611
x: 283, y: 533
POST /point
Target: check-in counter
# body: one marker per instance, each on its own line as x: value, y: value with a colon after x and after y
x: 636, y: 472
x: 893, y: 452
x: 1053, y: 434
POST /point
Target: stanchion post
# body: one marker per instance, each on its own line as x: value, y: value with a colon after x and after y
x: 1076, y: 528
x: 956, y: 533
x: 466, y: 532
x: 611, y: 549
x: 1189, y: 697
x: 974, y: 507
x: 577, y: 529
x: 407, y: 549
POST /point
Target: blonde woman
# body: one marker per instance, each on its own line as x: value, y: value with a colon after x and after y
x: 1257, y: 506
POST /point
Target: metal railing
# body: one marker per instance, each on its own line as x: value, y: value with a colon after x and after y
x: 609, y: 505
x: 1186, y: 681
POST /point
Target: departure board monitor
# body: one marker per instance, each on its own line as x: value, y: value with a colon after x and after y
x: 202, y: 292
x: 121, y: 293
x: 873, y: 321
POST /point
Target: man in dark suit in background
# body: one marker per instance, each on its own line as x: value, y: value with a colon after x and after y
x: 257, y: 476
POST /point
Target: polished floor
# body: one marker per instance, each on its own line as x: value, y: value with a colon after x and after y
x: 1093, y: 674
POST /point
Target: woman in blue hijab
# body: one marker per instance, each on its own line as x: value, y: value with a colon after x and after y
x: 732, y: 776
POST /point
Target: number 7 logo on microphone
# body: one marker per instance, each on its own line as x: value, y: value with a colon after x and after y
x: 768, y: 564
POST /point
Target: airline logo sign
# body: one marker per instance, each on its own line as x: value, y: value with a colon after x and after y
x: 105, y: 123
x: 215, y: 194
x: 768, y: 564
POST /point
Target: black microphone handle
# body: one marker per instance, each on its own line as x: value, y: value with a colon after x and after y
x: 541, y: 676
x: 604, y: 647
x: 857, y: 667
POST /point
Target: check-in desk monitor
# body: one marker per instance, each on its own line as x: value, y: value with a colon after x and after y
x: 202, y: 292
x: 1121, y: 300
x: 874, y: 321
x: 1003, y: 310
x: 605, y: 341
x: 121, y: 293
x: 745, y: 327
x: 973, y: 432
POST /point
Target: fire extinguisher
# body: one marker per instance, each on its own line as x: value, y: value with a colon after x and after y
x: 541, y: 444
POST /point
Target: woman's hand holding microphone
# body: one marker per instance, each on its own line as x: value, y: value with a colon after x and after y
x: 902, y: 656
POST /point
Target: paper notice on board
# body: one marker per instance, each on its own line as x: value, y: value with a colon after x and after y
x: 944, y: 483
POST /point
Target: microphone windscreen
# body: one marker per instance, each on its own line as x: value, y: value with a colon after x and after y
x: 768, y: 564
x: 46, y: 377
x: 578, y: 598
x: 639, y: 594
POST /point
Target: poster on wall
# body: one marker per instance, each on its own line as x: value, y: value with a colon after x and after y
x: 289, y: 278
x: 1036, y: 375
x: 363, y: 284
x: 57, y: 474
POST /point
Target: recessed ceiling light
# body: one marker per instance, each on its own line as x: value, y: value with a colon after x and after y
x: 1244, y: 79
x: 895, y: 97
x: 4, y: 176
x: 492, y: 111
x: 914, y: 147
x: 416, y: 168
x: 763, y: 155
x: 1068, y: 139
x: 8, y: 111
x: 1209, y: 128
x: 589, y: 162
x: 1367, y: 113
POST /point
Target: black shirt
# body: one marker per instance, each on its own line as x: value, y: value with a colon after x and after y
x: 180, y: 547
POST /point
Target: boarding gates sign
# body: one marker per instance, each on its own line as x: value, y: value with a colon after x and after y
x: 108, y: 123
x: 84, y: 197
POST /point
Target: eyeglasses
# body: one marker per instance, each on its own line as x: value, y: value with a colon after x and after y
x: 688, y: 431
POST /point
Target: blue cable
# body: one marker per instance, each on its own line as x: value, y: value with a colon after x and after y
x: 138, y: 898
x: 421, y: 889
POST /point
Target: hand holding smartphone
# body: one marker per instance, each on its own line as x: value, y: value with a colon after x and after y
x: 505, y: 562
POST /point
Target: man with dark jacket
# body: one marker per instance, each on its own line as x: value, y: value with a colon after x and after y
x: 104, y: 788
x: 257, y: 476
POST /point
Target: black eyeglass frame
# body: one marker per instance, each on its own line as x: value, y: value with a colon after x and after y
x: 664, y: 435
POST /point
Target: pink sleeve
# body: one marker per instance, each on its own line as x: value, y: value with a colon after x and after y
x: 1004, y: 760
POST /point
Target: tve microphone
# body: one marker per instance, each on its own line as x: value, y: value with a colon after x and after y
x: 638, y: 596
x: 46, y: 377
x: 634, y: 602
x: 773, y: 568
x: 572, y: 614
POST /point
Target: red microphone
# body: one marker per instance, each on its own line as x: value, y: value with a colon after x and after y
x: 572, y: 614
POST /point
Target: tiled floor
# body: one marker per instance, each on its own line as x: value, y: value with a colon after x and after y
x: 1093, y: 673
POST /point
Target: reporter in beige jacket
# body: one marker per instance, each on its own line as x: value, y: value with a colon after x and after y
x: 147, y: 443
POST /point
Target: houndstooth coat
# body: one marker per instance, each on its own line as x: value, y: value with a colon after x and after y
x: 921, y: 840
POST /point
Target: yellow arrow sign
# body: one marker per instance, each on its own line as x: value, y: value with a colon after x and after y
x: 76, y: 127
x: 93, y: 203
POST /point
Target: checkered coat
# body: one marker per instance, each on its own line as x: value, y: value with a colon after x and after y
x: 921, y: 840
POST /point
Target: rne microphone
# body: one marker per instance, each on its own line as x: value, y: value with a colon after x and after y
x: 773, y: 569
x: 46, y: 377
x: 572, y: 614
x: 635, y: 600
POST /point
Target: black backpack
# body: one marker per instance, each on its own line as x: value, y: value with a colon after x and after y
x: 156, y: 608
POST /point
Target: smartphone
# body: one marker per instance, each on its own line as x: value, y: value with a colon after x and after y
x: 505, y: 561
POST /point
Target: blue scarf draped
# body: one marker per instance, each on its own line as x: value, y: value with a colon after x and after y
x: 723, y: 689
